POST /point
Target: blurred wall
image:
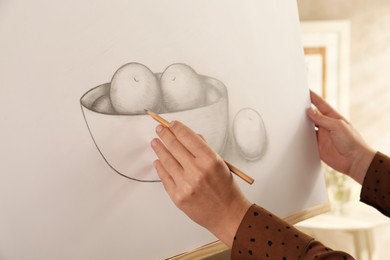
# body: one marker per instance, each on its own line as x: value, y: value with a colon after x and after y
x: 369, y: 64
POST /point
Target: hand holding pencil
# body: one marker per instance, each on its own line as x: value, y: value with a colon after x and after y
x: 198, y: 180
x: 232, y: 168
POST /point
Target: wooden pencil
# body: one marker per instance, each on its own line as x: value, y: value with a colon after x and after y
x: 232, y: 168
x: 158, y: 118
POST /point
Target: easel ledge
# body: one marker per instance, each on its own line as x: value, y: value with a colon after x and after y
x: 218, y: 247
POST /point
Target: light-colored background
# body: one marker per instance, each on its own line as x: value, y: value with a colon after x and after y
x: 369, y: 93
x: 58, y: 198
x: 368, y: 106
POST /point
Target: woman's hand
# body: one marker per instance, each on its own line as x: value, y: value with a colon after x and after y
x: 198, y: 181
x: 340, y: 145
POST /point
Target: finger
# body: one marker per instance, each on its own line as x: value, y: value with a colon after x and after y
x: 170, y: 164
x: 165, y: 177
x: 174, y: 146
x: 321, y: 120
x: 323, y: 106
x: 194, y: 143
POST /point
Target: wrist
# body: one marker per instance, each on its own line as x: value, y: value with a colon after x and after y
x: 362, y: 162
x: 227, y: 227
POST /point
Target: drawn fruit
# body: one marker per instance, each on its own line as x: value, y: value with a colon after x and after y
x: 212, y: 95
x: 103, y: 105
x: 249, y: 134
x: 134, y: 88
x: 182, y: 88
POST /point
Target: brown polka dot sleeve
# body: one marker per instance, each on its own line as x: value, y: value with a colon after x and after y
x: 376, y: 185
x: 262, y: 235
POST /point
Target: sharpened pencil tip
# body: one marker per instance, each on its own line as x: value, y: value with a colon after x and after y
x: 146, y: 110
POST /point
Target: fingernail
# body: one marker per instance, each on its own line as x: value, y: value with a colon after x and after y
x: 312, y: 111
x: 159, y: 128
x: 172, y: 123
x: 154, y: 142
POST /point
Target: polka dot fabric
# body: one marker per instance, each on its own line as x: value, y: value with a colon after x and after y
x: 376, y: 186
x: 261, y: 235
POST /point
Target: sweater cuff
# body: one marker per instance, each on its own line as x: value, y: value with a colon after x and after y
x: 263, y: 235
x: 375, y: 188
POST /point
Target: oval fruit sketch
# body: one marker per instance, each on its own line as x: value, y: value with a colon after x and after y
x: 181, y: 88
x: 103, y: 105
x: 134, y: 87
x: 249, y: 134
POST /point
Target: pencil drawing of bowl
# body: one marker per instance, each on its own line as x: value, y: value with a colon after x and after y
x: 124, y: 140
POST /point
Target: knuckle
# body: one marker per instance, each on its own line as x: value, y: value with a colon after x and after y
x: 341, y: 123
x: 212, y: 162
x: 179, y: 200
x: 183, y: 197
x: 319, y: 116
x: 179, y: 129
x: 182, y: 133
x: 175, y: 126
x: 174, y: 143
x: 199, y: 180
x: 189, y: 192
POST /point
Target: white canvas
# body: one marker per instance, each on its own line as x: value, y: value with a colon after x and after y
x: 61, y: 199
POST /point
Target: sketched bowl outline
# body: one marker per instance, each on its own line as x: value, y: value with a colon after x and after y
x: 124, y: 140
